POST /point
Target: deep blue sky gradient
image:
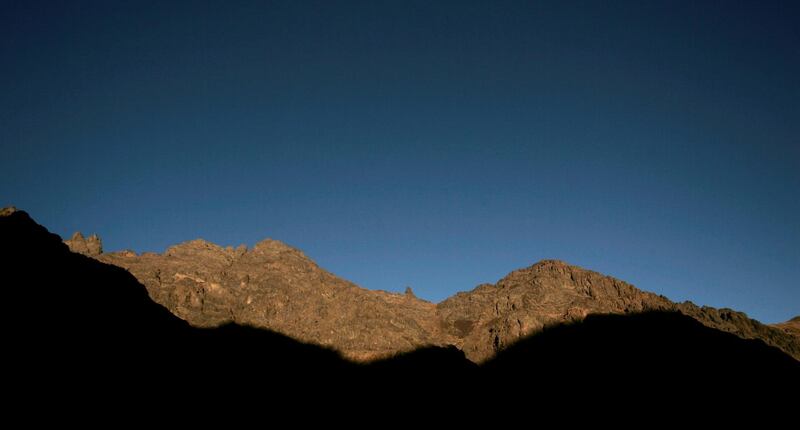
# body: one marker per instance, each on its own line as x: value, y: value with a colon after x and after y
x: 431, y: 144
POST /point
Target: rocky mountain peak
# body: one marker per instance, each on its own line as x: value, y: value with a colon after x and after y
x: 552, y: 264
x: 272, y: 246
x: 278, y: 254
x: 275, y: 286
x: 6, y: 211
x: 193, y: 247
x: 91, y: 246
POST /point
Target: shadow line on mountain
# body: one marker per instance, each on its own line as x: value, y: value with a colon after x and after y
x: 74, y: 320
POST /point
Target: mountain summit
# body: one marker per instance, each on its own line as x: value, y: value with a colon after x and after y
x: 551, y: 292
x: 275, y: 286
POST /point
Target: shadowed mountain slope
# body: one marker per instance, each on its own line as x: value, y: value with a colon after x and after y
x: 91, y: 314
x: 73, y: 321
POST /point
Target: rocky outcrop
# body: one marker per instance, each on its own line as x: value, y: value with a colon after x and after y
x: 91, y: 247
x: 7, y: 211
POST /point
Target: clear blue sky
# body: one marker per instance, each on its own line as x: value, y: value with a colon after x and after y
x: 431, y: 144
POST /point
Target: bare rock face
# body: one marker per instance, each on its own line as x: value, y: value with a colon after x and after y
x: 91, y: 247
x: 493, y: 317
x: 276, y: 286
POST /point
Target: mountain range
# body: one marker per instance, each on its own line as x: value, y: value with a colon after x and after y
x: 203, y: 331
x: 275, y: 286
